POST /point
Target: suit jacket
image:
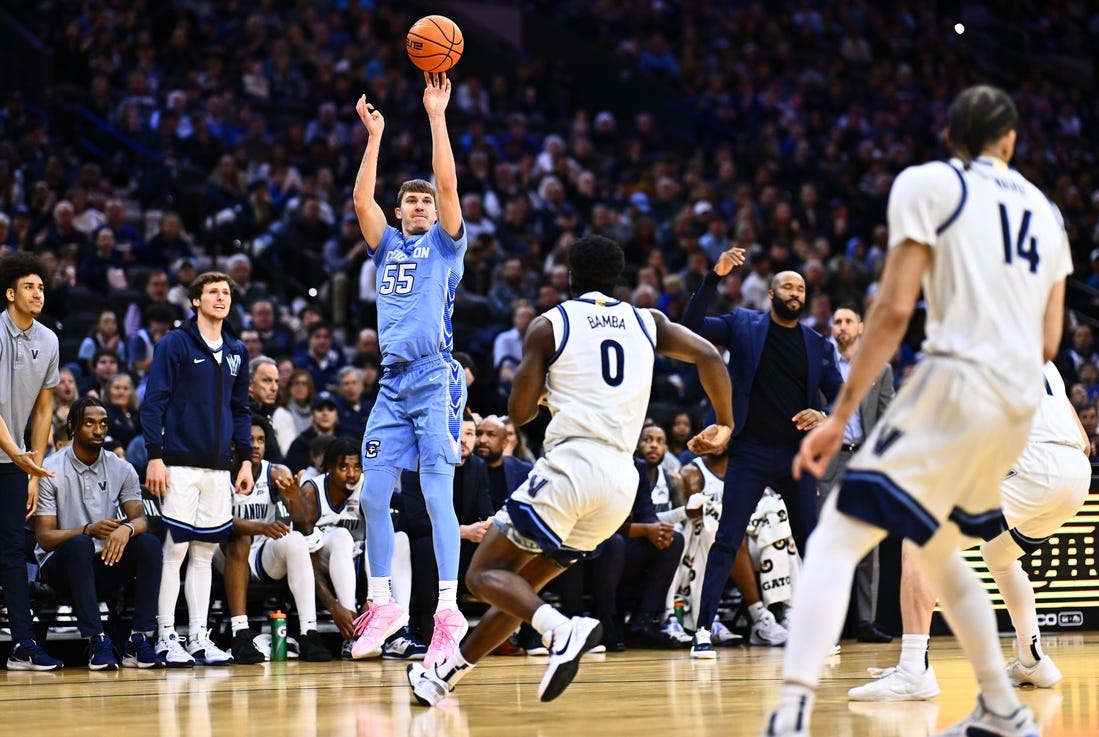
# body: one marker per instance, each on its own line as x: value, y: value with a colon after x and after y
x: 515, y: 473
x: 471, y: 499
x: 871, y: 408
x: 744, y: 333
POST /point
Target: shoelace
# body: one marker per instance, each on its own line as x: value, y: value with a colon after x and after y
x: 363, y: 621
x: 441, y: 639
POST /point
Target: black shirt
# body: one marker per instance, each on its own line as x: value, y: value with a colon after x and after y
x: 779, y: 387
x: 498, y: 486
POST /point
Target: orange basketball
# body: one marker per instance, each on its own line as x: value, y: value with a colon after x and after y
x: 435, y: 43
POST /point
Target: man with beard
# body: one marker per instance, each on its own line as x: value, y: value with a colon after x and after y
x: 779, y: 368
x: 505, y: 473
x: 846, y: 333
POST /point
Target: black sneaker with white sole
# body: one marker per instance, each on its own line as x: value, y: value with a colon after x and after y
x: 567, y: 644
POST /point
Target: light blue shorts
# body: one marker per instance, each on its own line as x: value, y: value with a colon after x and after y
x: 417, y: 419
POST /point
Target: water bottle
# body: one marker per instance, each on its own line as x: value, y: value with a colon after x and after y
x: 278, y: 636
x: 679, y: 607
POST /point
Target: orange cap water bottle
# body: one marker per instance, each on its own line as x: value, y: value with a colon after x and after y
x: 278, y: 636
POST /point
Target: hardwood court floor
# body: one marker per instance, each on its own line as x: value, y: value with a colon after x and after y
x: 637, y: 693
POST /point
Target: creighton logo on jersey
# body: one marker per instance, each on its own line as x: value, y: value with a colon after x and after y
x: 597, y: 331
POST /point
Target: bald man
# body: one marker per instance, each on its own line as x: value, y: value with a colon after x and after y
x: 780, y: 368
x: 505, y: 473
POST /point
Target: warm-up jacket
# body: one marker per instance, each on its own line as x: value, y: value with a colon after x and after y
x: 195, y: 409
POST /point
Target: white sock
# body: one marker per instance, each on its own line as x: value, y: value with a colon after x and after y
x: 196, y: 589
x: 300, y: 579
x: 238, y: 623
x: 448, y: 595
x: 914, y: 653
x: 755, y: 611
x: 547, y: 618
x: 174, y: 553
x: 1002, y: 555
x: 454, y: 669
x: 795, y: 707
x: 381, y: 589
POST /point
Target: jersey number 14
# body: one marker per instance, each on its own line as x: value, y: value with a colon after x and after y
x: 1024, y: 245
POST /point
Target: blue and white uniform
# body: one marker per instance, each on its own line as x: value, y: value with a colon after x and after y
x: 417, y: 418
x: 598, y: 387
x: 998, y: 247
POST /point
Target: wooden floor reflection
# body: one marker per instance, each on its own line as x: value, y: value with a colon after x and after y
x: 639, y: 693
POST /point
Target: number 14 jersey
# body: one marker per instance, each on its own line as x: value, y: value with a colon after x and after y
x: 998, y: 246
x: 601, y: 372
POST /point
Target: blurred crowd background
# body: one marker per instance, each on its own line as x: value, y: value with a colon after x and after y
x: 144, y: 142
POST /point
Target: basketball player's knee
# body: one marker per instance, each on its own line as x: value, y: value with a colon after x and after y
x: 174, y: 552
x: 339, y: 541
x: 202, y: 554
x: 998, y: 560
x: 238, y: 548
x: 296, y: 544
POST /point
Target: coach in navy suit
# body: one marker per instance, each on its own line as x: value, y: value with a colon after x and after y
x: 780, y: 369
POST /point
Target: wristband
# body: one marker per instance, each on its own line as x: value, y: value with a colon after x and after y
x: 85, y: 530
x: 133, y: 530
x: 314, y: 540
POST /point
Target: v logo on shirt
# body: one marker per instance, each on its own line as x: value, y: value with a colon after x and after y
x: 34, y: 353
x: 102, y: 485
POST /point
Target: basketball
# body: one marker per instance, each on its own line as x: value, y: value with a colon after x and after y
x: 434, y: 43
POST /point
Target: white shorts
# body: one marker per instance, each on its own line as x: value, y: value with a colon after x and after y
x: 267, y: 557
x: 198, y: 505
x: 1044, y: 489
x: 939, y: 453
x: 574, y: 498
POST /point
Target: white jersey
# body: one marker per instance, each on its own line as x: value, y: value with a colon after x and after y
x: 259, y: 505
x: 601, y: 372
x: 713, y: 486
x: 998, y: 247
x: 348, y: 515
x: 661, y: 492
x: 1055, y: 419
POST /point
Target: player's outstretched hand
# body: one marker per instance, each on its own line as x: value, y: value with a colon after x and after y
x: 711, y: 440
x: 370, y: 117
x: 729, y: 260
x: 437, y: 92
x: 818, y: 447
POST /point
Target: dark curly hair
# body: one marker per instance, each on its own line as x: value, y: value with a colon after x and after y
x: 595, y: 265
x: 339, y: 448
x: 18, y: 265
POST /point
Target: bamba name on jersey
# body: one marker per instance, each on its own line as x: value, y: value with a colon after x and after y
x: 606, y: 321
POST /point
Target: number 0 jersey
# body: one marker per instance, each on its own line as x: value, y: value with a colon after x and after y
x: 998, y: 247
x: 601, y: 372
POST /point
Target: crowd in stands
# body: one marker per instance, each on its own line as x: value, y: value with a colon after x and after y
x: 184, y: 136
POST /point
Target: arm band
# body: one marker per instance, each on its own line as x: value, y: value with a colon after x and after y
x: 315, y: 540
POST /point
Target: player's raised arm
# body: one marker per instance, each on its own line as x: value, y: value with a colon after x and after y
x: 372, y: 220
x: 676, y: 341
x: 436, y: 98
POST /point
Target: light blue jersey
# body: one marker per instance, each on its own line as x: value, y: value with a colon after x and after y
x: 416, y: 281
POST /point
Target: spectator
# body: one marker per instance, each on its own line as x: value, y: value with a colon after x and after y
x: 353, y: 408
x: 325, y: 415
x: 105, y: 335
x: 505, y: 473
x: 123, y: 423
